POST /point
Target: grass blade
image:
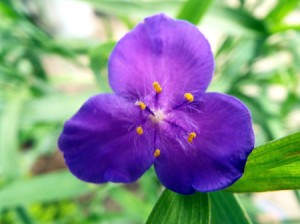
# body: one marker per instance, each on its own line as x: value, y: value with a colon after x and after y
x: 273, y: 166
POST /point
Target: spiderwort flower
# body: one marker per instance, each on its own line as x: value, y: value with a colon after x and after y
x: 160, y: 115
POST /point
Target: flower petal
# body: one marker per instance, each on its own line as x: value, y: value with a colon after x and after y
x: 217, y: 155
x: 100, y: 142
x: 172, y: 52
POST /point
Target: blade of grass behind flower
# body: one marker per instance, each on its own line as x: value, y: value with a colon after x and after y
x: 194, y: 10
x: 9, y: 127
x: 45, y: 188
x: 134, y: 8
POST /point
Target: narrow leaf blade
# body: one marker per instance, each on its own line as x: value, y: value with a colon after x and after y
x: 48, y: 187
x: 9, y: 124
x: 175, y: 208
x: 282, y: 9
x: 135, y: 8
x: 273, y: 166
x: 225, y: 208
x: 194, y: 10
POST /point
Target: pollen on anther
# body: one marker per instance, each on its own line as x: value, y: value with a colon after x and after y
x: 189, y: 97
x: 157, y: 153
x: 191, y: 137
x: 141, y: 104
x: 139, y: 130
x: 157, y: 87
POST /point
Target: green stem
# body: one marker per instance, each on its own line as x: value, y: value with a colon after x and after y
x: 23, y: 215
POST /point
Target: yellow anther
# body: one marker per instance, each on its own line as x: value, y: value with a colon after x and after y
x: 139, y: 130
x: 157, y: 87
x: 189, y: 97
x: 157, y: 153
x: 191, y: 137
x: 141, y: 104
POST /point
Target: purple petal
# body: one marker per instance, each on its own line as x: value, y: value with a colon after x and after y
x: 216, y: 157
x: 171, y: 52
x: 100, y: 142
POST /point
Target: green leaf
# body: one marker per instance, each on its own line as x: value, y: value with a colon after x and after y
x: 242, y: 3
x: 52, y: 108
x: 132, y: 205
x: 135, y: 8
x: 23, y: 215
x: 235, y: 21
x: 225, y: 208
x: 176, y: 208
x: 98, y: 62
x: 259, y: 113
x: 234, y: 65
x: 48, y: 187
x: 9, y: 128
x: 194, y: 10
x: 297, y: 195
x: 276, y: 16
x: 7, y: 13
x: 273, y: 166
x: 282, y: 9
x: 283, y: 27
x: 215, y: 207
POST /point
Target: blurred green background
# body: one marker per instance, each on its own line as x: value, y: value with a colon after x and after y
x: 53, y: 56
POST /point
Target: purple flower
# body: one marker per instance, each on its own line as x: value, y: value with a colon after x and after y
x: 160, y: 115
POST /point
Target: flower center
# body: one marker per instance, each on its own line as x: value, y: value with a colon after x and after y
x: 158, y: 116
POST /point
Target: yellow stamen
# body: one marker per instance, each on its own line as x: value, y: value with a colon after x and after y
x: 191, y: 137
x: 157, y: 87
x: 139, y: 130
x: 157, y: 153
x: 189, y: 97
x: 141, y: 104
